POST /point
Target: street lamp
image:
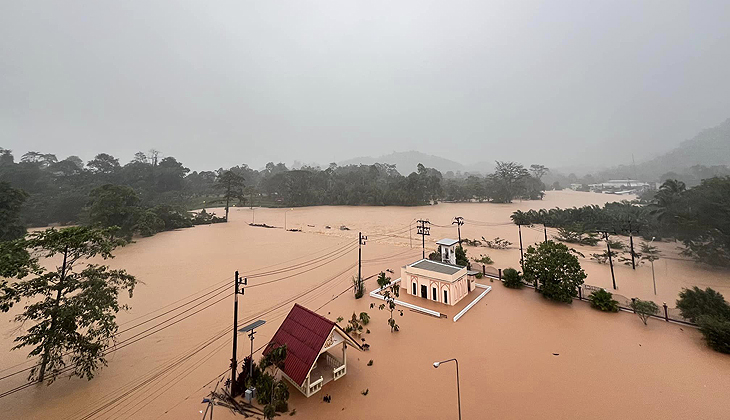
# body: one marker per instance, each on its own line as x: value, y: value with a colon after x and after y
x: 653, y: 278
x: 458, y: 390
x: 285, y: 217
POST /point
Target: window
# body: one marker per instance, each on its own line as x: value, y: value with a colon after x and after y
x: 435, y: 295
x: 414, y: 288
x: 446, y: 296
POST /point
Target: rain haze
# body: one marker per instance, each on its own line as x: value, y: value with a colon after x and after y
x: 220, y: 83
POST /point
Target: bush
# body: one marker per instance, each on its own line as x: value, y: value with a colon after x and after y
x: 644, y: 308
x: 694, y: 303
x: 716, y: 331
x: 603, y: 301
x: 484, y: 259
x: 435, y: 256
x: 512, y: 278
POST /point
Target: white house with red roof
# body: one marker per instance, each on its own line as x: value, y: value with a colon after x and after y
x: 316, y: 349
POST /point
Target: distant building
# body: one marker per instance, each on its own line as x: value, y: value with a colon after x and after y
x: 621, y: 186
x: 443, y: 282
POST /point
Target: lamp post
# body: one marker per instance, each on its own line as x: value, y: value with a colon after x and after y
x: 653, y: 278
x: 458, y: 391
x: 285, y: 217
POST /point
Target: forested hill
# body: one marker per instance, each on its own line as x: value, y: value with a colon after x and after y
x: 703, y: 156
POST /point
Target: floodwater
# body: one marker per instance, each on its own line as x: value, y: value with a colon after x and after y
x: 519, y: 355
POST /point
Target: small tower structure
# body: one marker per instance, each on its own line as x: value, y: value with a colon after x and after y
x: 448, y: 250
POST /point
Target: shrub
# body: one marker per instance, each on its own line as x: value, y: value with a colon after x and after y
x: 484, y: 259
x: 512, y: 278
x: 370, y: 363
x: 695, y: 302
x: 603, y: 301
x: 716, y: 331
x: 644, y: 308
x: 435, y: 256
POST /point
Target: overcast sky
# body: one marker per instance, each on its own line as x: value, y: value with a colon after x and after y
x: 218, y: 83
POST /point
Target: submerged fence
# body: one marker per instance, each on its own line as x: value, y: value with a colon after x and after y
x: 665, y: 312
x: 668, y: 314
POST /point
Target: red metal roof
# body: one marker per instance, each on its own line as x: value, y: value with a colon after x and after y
x: 304, y: 333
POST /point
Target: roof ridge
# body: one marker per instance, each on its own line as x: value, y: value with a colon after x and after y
x: 314, y: 313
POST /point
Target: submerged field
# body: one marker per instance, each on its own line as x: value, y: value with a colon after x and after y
x: 520, y: 356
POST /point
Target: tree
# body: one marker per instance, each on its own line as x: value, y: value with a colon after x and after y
x: 694, y: 303
x: 507, y: 176
x: 11, y: 202
x: 649, y: 252
x: 512, y: 278
x: 538, y: 171
x: 555, y: 271
x: 279, y: 392
x: 104, y: 164
x: 461, y: 258
x: 232, y: 185
x: 390, y: 292
x: 73, y: 308
x: 716, y: 331
x: 114, y: 205
x: 644, y: 309
x: 603, y: 301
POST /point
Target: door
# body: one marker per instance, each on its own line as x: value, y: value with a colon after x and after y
x: 446, y: 296
x: 414, y: 289
x: 435, y: 295
x: 424, y: 291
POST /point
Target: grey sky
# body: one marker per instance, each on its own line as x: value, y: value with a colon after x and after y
x: 218, y: 83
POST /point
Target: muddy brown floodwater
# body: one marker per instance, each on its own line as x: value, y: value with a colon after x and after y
x: 520, y: 357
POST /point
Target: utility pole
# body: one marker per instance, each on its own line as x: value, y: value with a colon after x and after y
x: 360, y: 242
x: 610, y: 258
x: 234, y: 361
x: 631, y: 242
x: 410, y: 233
x: 522, y: 255
x: 458, y: 221
x: 424, y: 229
x: 544, y: 228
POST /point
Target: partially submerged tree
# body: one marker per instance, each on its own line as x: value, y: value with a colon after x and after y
x: 644, y: 309
x: 603, y: 300
x: 390, y: 292
x: 71, y: 311
x: 694, y: 303
x: 231, y: 184
x: 512, y: 278
x: 556, y: 272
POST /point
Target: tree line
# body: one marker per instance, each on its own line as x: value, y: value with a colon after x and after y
x: 152, y: 193
x: 698, y: 217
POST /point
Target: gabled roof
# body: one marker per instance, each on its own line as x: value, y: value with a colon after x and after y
x: 447, y: 242
x: 304, y: 332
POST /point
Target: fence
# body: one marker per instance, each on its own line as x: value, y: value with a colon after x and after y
x: 585, y: 290
x: 665, y: 312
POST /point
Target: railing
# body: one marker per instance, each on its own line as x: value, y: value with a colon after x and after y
x: 316, y: 385
x: 376, y: 294
x: 332, y: 361
x: 339, y: 372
